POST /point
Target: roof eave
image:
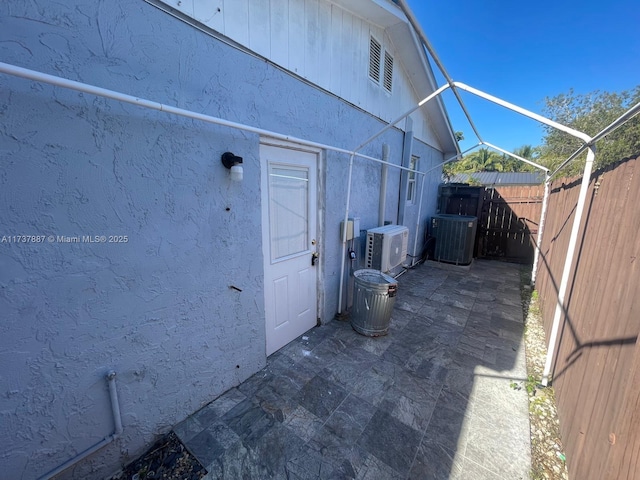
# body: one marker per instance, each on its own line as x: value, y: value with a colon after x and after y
x: 389, y: 16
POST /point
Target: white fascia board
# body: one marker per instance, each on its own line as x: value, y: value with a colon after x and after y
x: 379, y: 12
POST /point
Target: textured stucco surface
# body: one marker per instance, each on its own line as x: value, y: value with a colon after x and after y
x: 157, y: 309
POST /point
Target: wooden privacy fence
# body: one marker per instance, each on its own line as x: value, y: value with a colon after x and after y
x: 596, y: 374
x: 508, y: 222
x: 508, y: 217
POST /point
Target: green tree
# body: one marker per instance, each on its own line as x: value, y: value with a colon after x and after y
x: 485, y: 160
x: 525, y: 151
x: 590, y: 113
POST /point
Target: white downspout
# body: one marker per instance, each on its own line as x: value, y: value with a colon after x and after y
x: 382, y: 205
x: 573, y: 240
x: 415, y: 242
x: 543, y: 217
x: 344, y: 234
x: 117, y: 421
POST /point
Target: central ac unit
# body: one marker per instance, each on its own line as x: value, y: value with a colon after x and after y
x: 386, y: 247
x: 455, y: 237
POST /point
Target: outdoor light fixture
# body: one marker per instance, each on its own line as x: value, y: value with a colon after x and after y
x: 233, y: 163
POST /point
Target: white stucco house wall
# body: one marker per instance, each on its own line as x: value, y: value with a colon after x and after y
x: 126, y: 245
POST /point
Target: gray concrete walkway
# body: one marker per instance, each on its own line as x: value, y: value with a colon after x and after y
x: 432, y: 400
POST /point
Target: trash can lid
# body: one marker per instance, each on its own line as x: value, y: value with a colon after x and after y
x: 376, y: 277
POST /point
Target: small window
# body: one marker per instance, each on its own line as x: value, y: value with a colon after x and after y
x: 411, y: 180
x: 375, y: 52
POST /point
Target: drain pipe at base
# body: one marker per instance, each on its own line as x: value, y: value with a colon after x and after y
x: 117, y: 421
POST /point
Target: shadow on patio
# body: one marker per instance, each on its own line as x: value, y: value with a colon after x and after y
x: 433, y: 399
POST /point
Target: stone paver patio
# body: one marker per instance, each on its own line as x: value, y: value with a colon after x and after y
x: 431, y: 400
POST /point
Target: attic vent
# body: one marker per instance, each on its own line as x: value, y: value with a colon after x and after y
x: 388, y: 72
x: 375, y: 51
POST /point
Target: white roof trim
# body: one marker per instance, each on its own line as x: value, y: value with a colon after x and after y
x: 408, y: 46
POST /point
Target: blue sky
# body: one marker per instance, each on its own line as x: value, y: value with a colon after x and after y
x: 524, y: 51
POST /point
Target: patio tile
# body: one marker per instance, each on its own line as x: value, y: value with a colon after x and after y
x: 215, y: 410
x: 237, y: 461
x: 303, y: 423
x: 205, y: 447
x: 354, y: 414
x: 409, y: 303
x: 430, y: 400
x: 435, y: 462
x: 431, y: 371
x: 309, y: 465
x: 397, y: 447
x: 415, y: 414
x: 249, y: 421
x: 375, y: 469
x: 372, y: 386
x: 445, y: 427
x: 345, y: 458
x: 321, y: 396
x: 453, y: 298
x: 276, y: 448
x: 399, y: 353
x: 188, y: 429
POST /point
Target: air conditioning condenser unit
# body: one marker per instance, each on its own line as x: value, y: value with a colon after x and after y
x: 386, y: 247
x: 455, y: 237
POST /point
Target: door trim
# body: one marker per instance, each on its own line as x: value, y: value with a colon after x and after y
x: 320, y: 228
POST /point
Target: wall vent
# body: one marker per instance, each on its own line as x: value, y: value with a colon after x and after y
x: 375, y: 53
x: 388, y: 72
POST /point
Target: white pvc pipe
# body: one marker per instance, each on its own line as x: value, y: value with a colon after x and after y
x: 583, y: 136
x: 115, y: 404
x: 517, y: 157
x: 427, y: 44
x: 122, y: 97
x: 402, y: 117
x: 625, y: 117
x: 415, y: 242
x: 573, y: 240
x: 451, y: 159
x: 117, y: 421
x: 618, y: 122
x: 382, y: 204
x: 141, y: 102
x: 543, y: 216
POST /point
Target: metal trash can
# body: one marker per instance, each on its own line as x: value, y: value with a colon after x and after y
x: 373, y: 299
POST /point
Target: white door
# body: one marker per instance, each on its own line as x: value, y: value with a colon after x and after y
x: 289, y: 215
